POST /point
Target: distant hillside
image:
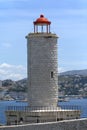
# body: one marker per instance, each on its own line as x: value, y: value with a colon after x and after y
x: 17, y: 86
x: 75, y: 72
x: 73, y: 82
x: 73, y: 85
x: 69, y: 83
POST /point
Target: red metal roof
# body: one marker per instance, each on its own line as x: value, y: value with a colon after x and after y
x: 42, y: 20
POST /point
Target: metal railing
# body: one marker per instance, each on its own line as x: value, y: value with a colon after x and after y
x: 28, y: 108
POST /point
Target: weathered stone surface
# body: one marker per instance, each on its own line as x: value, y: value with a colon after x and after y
x: 40, y: 115
x: 42, y: 69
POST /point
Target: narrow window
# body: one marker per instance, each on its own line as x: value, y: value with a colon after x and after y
x: 52, y: 74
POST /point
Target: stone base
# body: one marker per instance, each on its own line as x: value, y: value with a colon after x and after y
x: 38, y: 116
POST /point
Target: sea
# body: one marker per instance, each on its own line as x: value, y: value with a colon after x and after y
x: 81, y: 103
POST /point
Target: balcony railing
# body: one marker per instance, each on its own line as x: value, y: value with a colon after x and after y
x: 28, y: 108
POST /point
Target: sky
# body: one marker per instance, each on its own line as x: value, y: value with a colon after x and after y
x: 69, y: 22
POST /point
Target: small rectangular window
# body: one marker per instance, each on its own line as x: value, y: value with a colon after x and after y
x: 52, y: 74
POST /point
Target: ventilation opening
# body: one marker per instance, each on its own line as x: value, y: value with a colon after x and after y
x: 52, y: 74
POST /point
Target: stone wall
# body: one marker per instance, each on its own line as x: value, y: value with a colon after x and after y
x: 42, y: 69
x: 79, y: 124
x: 40, y: 116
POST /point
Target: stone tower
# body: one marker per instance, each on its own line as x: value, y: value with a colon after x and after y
x: 42, y: 65
x: 42, y: 80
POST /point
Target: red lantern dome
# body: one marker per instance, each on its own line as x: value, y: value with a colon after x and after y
x: 42, y: 23
x: 42, y: 20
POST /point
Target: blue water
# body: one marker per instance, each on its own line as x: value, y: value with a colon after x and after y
x: 3, y: 107
x: 82, y: 103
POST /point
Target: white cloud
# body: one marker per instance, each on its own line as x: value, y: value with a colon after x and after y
x: 5, y: 65
x: 14, y: 72
x: 7, y: 45
x: 60, y: 70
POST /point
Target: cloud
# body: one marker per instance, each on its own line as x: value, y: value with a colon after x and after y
x: 14, y: 72
x: 6, y: 45
x: 60, y: 70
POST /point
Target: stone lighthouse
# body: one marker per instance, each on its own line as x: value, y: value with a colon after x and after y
x: 42, y: 65
x: 42, y: 69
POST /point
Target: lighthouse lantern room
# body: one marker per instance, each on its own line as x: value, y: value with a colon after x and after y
x: 42, y: 25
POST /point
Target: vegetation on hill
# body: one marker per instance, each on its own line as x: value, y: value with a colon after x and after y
x: 73, y: 84
x: 17, y: 86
